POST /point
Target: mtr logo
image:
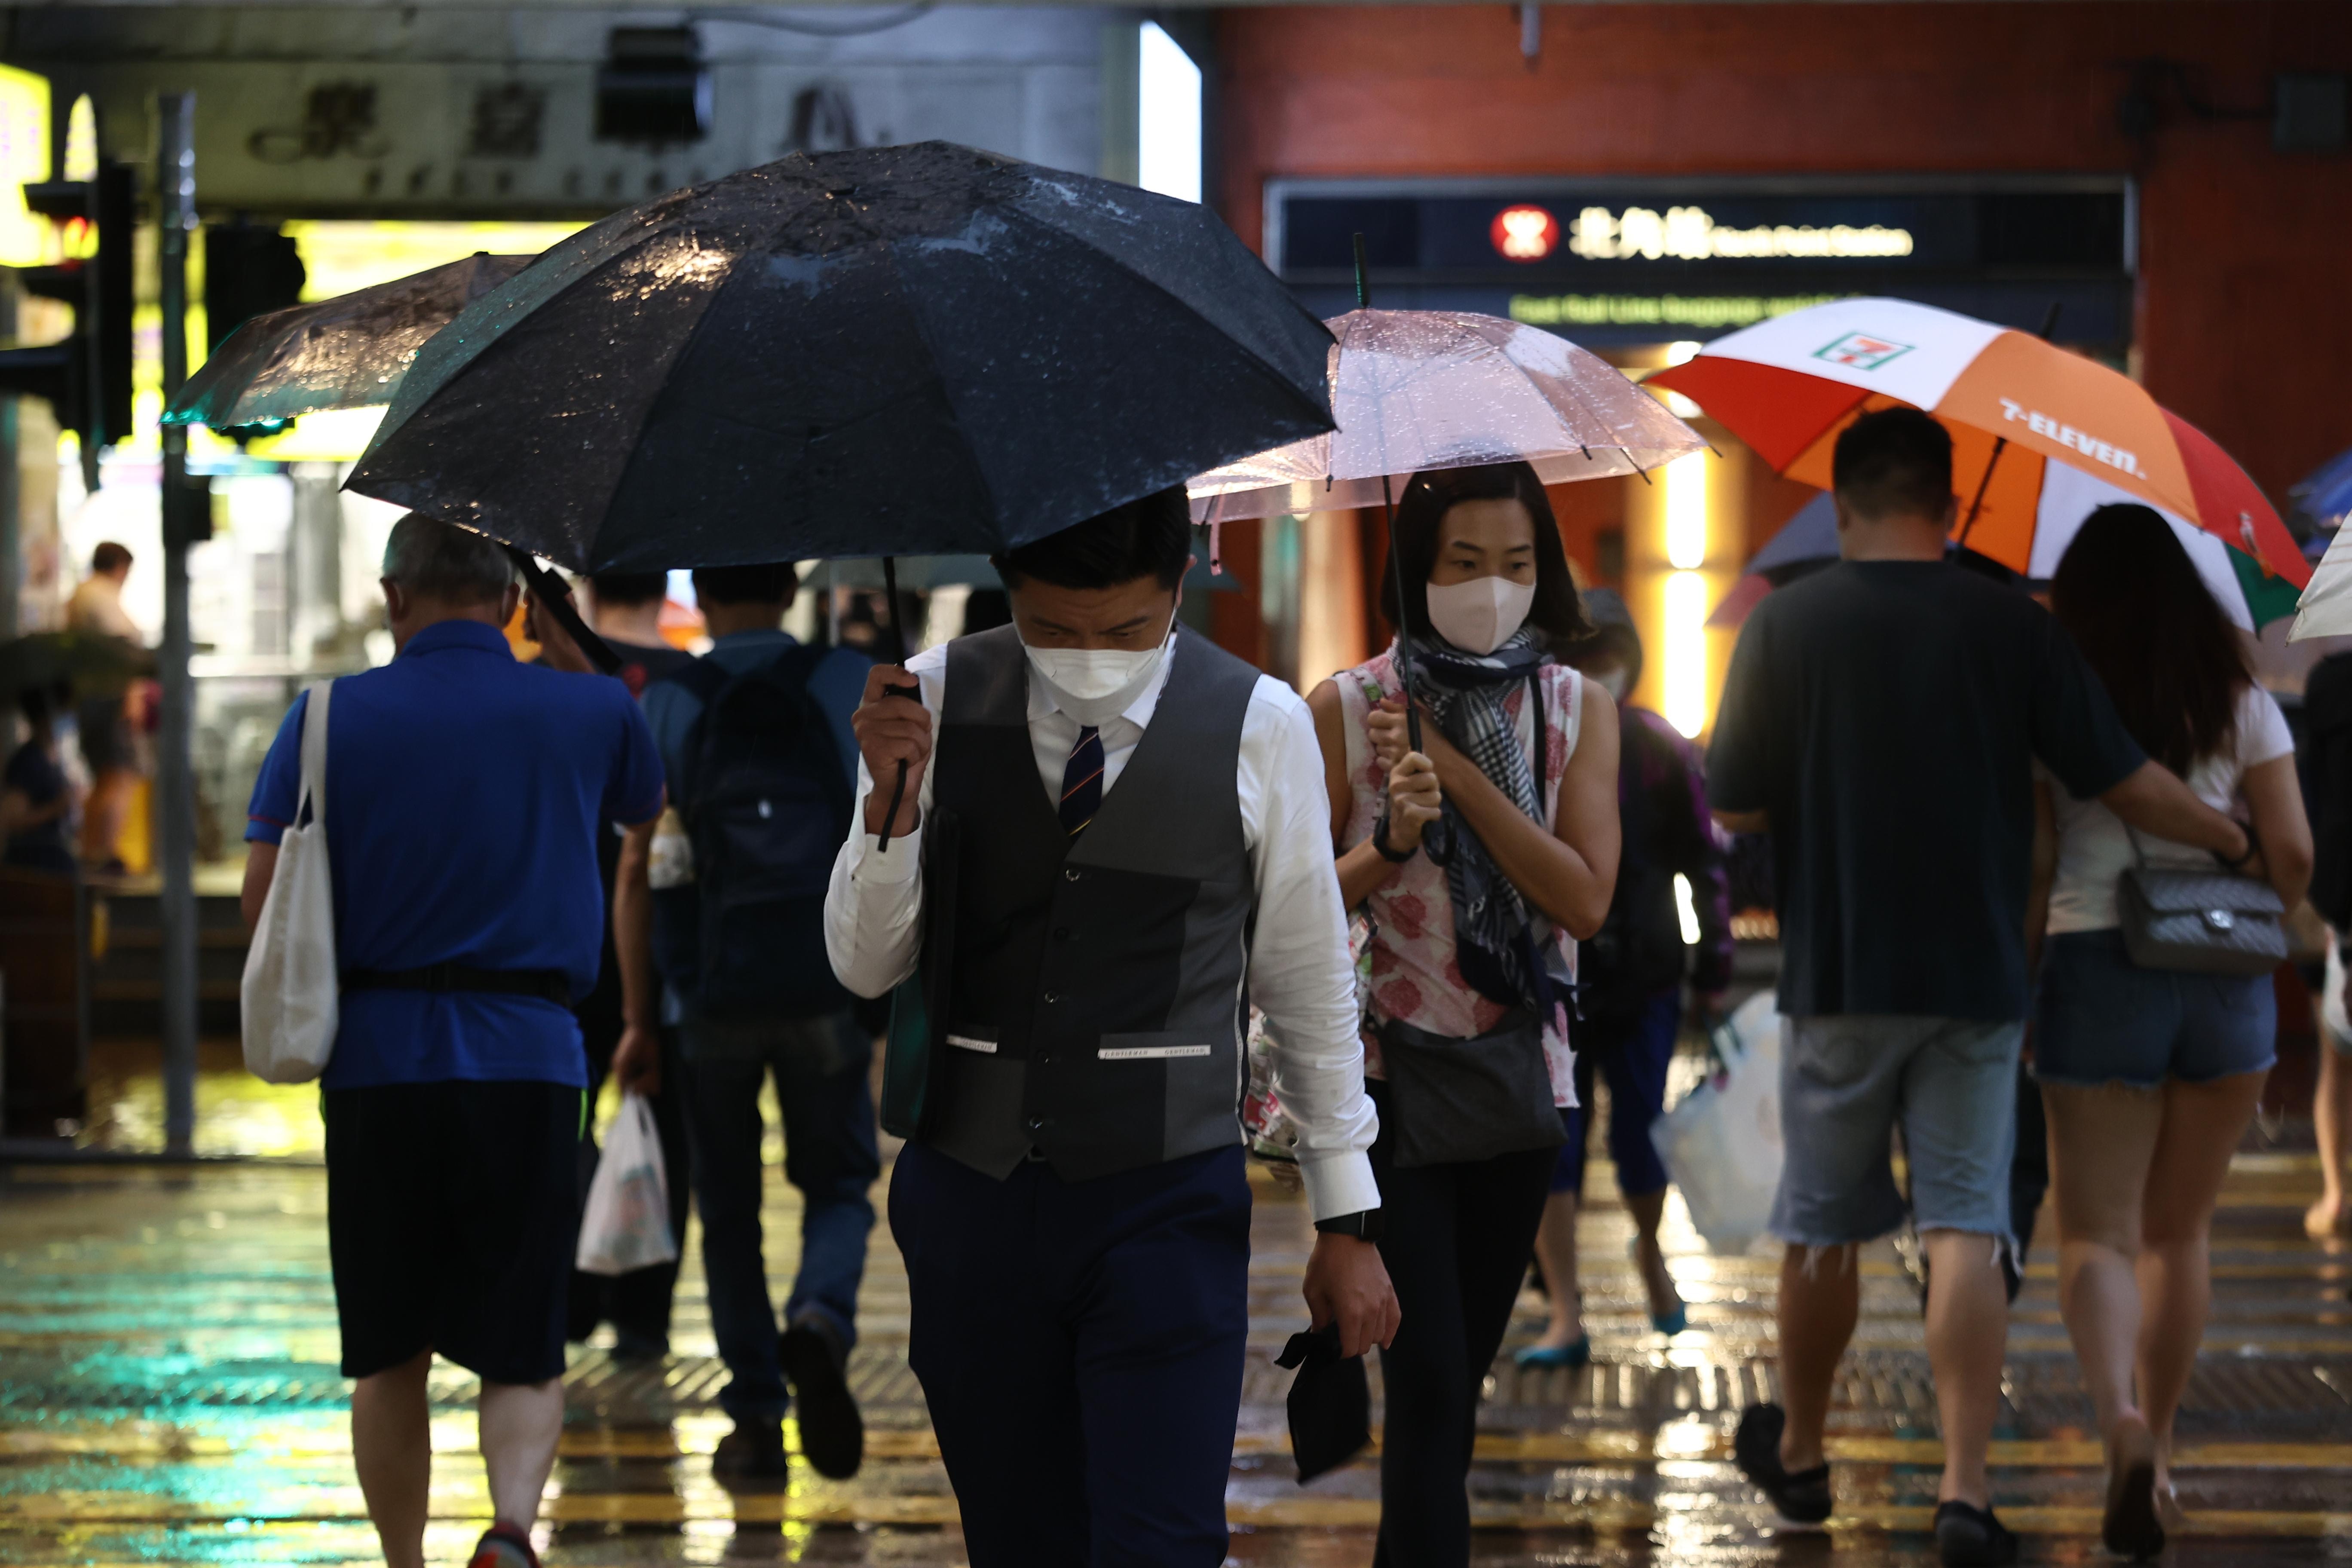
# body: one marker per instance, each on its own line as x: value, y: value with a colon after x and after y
x: 1524, y: 233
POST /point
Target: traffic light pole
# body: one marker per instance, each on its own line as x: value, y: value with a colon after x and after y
x: 175, y: 802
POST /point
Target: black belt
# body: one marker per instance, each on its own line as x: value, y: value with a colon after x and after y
x: 547, y: 984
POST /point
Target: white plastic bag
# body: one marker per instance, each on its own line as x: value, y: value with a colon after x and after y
x: 626, y: 1224
x: 290, y: 994
x: 1722, y: 1142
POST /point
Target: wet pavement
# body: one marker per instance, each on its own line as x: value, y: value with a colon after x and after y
x: 168, y: 1395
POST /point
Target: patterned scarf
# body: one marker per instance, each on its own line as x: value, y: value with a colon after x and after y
x: 1496, y: 937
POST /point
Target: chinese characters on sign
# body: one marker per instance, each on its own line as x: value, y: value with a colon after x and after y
x: 1690, y: 233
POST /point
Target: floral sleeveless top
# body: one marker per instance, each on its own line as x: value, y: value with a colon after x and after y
x: 1408, y: 971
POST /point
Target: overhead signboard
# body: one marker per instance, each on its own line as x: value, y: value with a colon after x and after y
x: 1624, y: 260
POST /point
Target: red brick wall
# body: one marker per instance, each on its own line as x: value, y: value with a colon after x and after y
x: 2245, y: 311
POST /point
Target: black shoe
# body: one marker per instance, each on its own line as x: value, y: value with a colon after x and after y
x: 1801, y: 1497
x: 833, y: 1435
x: 752, y: 1453
x: 2130, y: 1527
x: 1970, y: 1537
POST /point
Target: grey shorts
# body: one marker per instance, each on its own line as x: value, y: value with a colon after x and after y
x: 1848, y: 1082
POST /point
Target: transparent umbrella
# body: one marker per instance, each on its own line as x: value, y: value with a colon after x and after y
x: 1416, y: 390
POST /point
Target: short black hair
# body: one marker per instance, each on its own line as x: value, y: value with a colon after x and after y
x: 775, y: 582
x: 1557, y: 612
x: 1895, y: 462
x: 1151, y: 536
x: 629, y: 587
x: 109, y: 557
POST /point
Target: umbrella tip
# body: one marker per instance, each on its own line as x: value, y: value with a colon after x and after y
x: 1363, y: 283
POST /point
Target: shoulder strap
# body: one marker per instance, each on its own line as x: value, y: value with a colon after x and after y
x: 313, y: 786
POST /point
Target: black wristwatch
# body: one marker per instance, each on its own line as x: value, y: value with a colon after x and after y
x: 2253, y: 847
x: 1364, y: 1224
x: 1381, y: 843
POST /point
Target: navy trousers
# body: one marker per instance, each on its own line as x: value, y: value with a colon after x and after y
x: 1080, y: 1344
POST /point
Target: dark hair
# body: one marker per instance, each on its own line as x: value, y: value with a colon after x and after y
x: 1896, y: 462
x: 437, y: 560
x: 1428, y: 497
x: 2145, y: 620
x: 1151, y: 536
x: 629, y: 587
x: 1615, y: 643
x: 38, y: 704
x: 775, y: 582
x: 109, y: 557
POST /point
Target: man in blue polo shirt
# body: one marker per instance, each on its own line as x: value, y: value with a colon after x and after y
x: 463, y: 795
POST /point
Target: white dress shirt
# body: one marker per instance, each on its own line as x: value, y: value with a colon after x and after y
x: 1299, y: 970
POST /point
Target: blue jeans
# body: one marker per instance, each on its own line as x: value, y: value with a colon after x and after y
x: 820, y: 1067
x: 1633, y: 1050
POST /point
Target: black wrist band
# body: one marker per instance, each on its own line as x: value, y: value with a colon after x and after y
x: 1381, y: 843
x: 2252, y: 848
x: 1364, y: 1224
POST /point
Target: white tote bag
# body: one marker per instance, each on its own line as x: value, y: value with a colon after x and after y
x: 626, y: 1224
x: 1721, y: 1143
x: 291, y: 979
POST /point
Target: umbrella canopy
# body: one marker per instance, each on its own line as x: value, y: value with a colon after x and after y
x: 2024, y: 415
x: 92, y: 663
x: 1413, y: 390
x: 2250, y: 596
x: 2324, y: 496
x: 349, y: 351
x: 920, y: 350
x: 924, y: 573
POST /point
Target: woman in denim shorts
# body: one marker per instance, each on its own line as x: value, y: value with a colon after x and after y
x: 2150, y: 1076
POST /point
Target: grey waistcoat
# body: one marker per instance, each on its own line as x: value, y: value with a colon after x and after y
x: 1093, y: 1008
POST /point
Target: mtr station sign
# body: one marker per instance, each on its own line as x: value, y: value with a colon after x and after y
x: 1639, y: 259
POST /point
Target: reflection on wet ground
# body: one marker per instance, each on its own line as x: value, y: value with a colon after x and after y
x: 168, y: 1395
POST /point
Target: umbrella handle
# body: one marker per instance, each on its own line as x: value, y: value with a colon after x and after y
x: 552, y: 591
x: 898, y: 636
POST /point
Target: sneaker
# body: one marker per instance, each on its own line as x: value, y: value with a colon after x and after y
x: 504, y: 1546
x: 1801, y: 1497
x: 1970, y: 1537
x: 753, y: 1452
x: 816, y: 1362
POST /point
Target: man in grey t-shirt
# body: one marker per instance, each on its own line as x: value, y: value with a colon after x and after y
x: 1880, y: 721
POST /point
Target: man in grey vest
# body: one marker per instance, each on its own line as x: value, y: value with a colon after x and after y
x: 1129, y: 836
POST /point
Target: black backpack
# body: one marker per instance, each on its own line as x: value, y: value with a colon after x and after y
x: 1638, y: 952
x: 767, y: 805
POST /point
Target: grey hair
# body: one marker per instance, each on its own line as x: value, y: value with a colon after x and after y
x: 436, y: 560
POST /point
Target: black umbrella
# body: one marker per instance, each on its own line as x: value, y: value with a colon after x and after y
x: 349, y: 351
x: 92, y: 663
x: 920, y: 350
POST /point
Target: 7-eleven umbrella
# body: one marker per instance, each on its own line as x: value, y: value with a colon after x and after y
x: 2040, y: 435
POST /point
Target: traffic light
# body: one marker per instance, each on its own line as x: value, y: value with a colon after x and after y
x: 87, y: 375
x: 250, y: 269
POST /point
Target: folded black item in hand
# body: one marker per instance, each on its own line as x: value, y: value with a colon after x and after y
x: 1330, y: 1402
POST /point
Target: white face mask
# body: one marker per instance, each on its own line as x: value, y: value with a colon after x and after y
x: 1096, y: 685
x: 1480, y: 615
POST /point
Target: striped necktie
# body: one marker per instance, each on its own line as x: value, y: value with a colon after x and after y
x: 1082, y: 781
